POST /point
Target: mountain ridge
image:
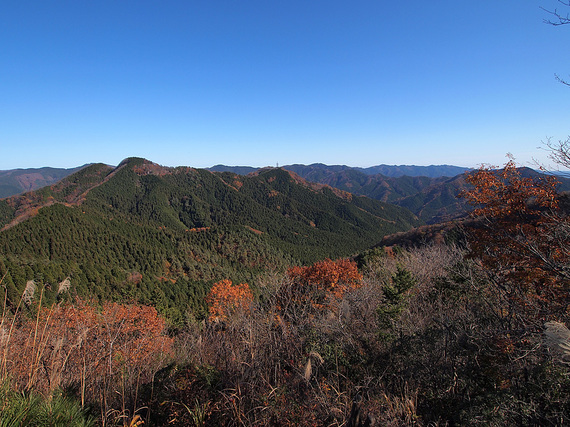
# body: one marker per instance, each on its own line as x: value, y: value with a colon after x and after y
x: 21, y: 180
x: 432, y: 171
x: 431, y: 198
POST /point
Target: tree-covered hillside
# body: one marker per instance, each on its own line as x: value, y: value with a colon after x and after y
x: 162, y: 236
x: 433, y: 199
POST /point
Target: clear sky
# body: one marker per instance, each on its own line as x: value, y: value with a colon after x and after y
x: 267, y: 82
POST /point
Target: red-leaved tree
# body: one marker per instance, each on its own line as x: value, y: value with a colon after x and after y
x: 225, y: 299
x: 522, y: 238
x: 323, y: 284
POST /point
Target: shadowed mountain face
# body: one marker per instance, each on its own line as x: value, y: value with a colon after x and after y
x: 163, y: 235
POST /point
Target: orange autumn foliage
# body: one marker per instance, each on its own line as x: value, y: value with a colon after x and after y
x: 100, y: 350
x: 225, y: 299
x: 522, y: 237
x: 507, y: 196
x: 324, y: 283
x: 114, y: 338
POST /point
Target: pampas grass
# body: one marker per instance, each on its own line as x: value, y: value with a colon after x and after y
x: 557, y: 338
x: 313, y: 357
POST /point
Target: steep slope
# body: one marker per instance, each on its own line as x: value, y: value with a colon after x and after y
x: 163, y: 235
x: 70, y: 190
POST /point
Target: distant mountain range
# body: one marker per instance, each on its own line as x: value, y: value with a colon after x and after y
x: 433, y: 199
x: 433, y: 171
x: 428, y: 191
x: 17, y: 181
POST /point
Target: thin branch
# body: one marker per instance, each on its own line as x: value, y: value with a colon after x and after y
x: 561, y: 80
x: 560, y: 19
x: 559, y: 151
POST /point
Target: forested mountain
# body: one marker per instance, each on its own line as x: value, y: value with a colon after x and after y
x: 428, y: 191
x: 458, y: 323
x: 17, y: 181
x: 163, y: 235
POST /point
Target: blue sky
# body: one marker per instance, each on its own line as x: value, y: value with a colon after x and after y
x: 198, y: 83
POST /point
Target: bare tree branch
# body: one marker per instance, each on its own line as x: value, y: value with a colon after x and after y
x: 565, y: 82
x: 559, y: 18
x: 559, y: 151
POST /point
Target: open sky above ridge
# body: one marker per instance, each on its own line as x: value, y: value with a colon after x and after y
x: 260, y: 83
